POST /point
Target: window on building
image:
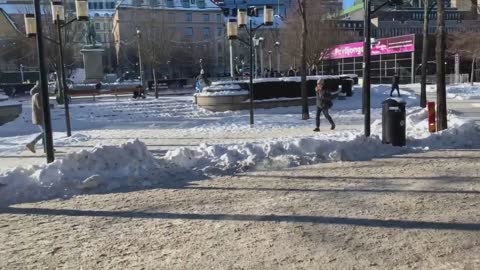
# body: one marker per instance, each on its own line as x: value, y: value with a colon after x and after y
x: 171, y: 17
x: 219, y: 31
x: 219, y: 46
x: 188, y: 17
x: 169, y: 3
x: 192, y: 2
x: 219, y: 18
x: 206, y: 17
x: 97, y: 26
x: 189, y: 32
x: 100, y: 5
x: 186, y: 3
x: 201, y: 3
x: 206, y: 32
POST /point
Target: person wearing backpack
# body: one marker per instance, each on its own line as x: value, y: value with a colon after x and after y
x: 324, y: 103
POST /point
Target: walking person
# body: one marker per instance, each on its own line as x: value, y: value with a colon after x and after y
x: 395, y: 83
x: 37, y: 115
x: 324, y: 103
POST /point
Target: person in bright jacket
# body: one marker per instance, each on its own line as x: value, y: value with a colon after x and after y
x: 324, y: 103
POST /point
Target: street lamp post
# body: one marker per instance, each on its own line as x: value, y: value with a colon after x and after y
x: 260, y: 40
x: 367, y: 58
x: 232, y: 32
x: 33, y: 27
x: 21, y: 73
x: 58, y: 17
x: 270, y: 62
x: 277, y: 47
x: 140, y: 64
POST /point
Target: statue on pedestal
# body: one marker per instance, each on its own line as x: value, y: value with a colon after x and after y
x: 91, y: 34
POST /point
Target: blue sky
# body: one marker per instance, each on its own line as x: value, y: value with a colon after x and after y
x: 347, y: 3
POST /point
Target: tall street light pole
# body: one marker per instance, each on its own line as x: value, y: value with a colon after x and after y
x: 423, y: 84
x: 270, y: 62
x: 277, y: 47
x: 261, y: 39
x: 33, y: 27
x: 232, y: 73
x: 440, y: 58
x: 367, y: 57
x: 366, y: 68
x: 140, y: 64
x: 232, y: 32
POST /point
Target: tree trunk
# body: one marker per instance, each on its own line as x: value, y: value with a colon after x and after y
x: 423, y: 84
x: 303, y: 66
x: 440, y: 58
x: 155, y: 82
x: 472, y: 77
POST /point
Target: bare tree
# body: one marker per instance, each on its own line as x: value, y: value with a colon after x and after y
x: 156, y: 40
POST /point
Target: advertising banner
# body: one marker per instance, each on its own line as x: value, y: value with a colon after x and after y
x: 401, y: 44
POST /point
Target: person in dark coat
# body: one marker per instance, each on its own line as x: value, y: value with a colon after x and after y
x: 324, y: 103
x: 395, y: 83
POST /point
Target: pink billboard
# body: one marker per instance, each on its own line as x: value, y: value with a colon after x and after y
x: 381, y: 46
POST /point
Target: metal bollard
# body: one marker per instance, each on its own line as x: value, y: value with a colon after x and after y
x: 431, y: 117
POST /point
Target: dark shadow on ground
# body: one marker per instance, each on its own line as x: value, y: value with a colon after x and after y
x: 326, y: 220
x: 474, y: 192
x: 377, y: 178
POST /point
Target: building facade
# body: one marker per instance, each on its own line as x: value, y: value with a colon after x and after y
x: 175, y: 35
x: 408, y: 19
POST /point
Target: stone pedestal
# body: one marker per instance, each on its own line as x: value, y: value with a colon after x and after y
x: 93, y: 64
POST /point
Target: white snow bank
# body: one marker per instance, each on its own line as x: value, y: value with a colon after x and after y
x: 343, y: 146
x: 465, y: 91
x: 105, y: 168
x: 101, y: 169
x: 3, y: 97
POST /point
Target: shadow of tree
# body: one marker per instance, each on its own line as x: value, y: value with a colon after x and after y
x: 327, y: 220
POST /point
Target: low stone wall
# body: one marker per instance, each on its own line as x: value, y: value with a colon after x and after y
x: 234, y: 103
x: 222, y: 103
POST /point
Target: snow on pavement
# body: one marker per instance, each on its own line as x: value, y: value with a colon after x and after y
x: 464, y: 91
x: 109, y: 168
x: 130, y: 165
x: 179, y: 116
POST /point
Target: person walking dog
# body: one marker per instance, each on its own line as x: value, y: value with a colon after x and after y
x: 324, y: 103
x: 395, y: 84
x: 37, y: 115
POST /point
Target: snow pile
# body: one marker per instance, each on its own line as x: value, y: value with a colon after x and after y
x: 99, y: 170
x: 463, y: 91
x: 131, y: 165
x: 3, y: 97
x: 214, y: 159
x: 223, y: 93
x: 341, y: 146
